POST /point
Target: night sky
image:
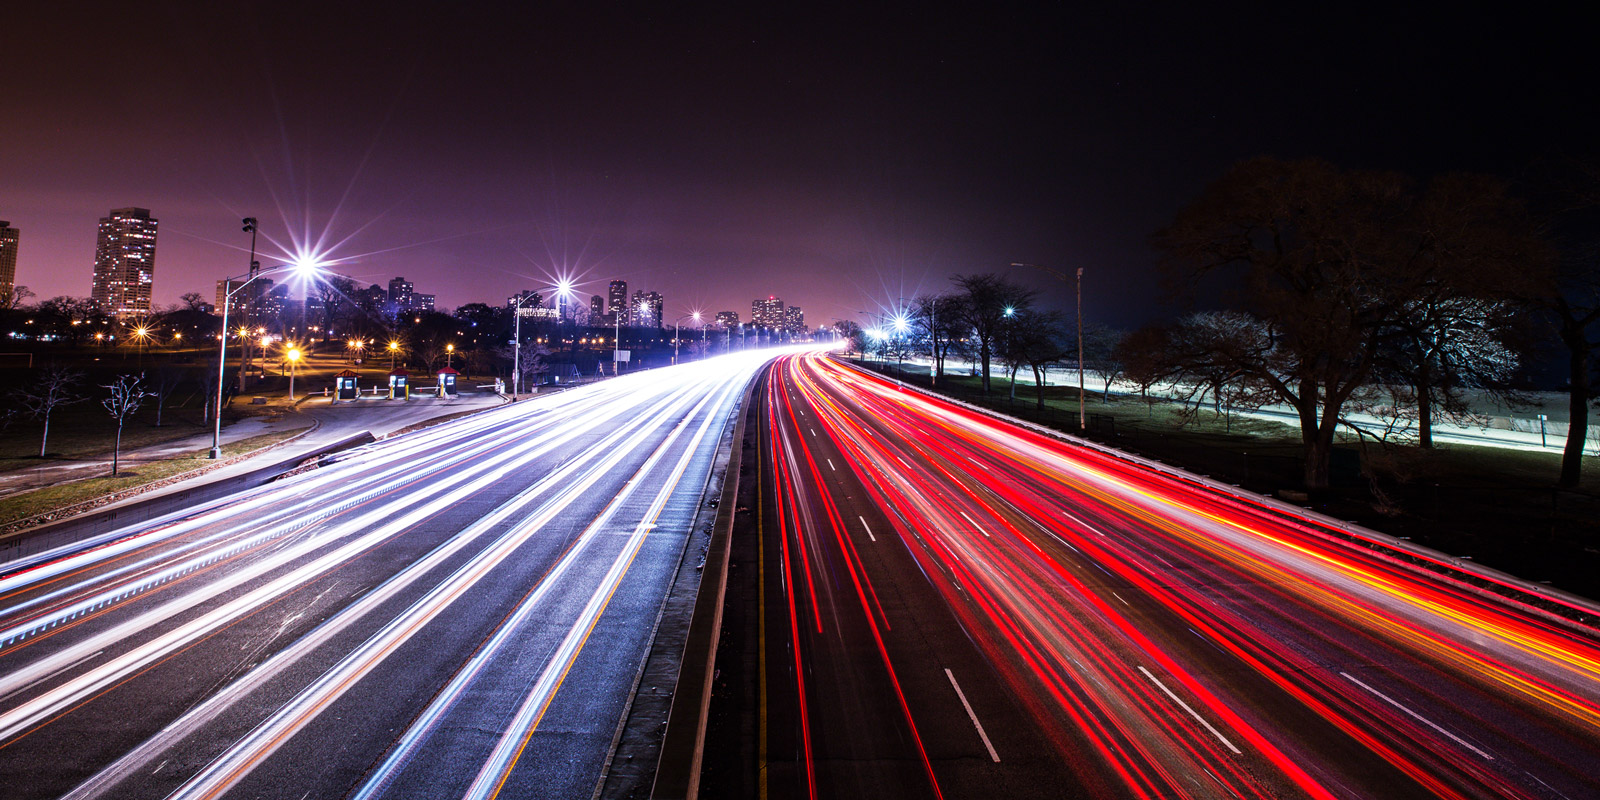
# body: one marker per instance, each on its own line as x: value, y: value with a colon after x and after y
x: 838, y: 159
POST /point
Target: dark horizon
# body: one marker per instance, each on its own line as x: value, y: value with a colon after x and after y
x: 837, y: 161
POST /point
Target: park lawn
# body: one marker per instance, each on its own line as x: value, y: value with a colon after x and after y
x: 40, y: 501
x: 85, y: 430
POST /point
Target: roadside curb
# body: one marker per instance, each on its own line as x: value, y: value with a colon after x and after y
x: 1581, y: 614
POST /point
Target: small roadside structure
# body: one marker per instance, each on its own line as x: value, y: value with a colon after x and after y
x: 344, y: 386
x: 447, y: 382
x: 399, y: 384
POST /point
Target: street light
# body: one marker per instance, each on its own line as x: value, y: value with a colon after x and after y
x: 298, y: 267
x: 676, y: 329
x: 394, y: 350
x: 1082, y: 424
x: 292, y: 355
x: 900, y: 326
x: 516, y: 343
x: 449, y: 353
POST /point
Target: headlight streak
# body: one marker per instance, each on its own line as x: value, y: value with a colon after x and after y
x: 574, y: 480
x: 1227, y: 542
x: 145, y: 537
x: 375, y: 527
x: 628, y: 429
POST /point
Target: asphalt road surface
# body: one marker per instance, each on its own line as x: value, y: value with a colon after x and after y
x: 951, y: 605
x: 459, y: 612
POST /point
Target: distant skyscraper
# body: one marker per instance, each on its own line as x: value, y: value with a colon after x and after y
x: 421, y: 301
x: 728, y: 319
x: 767, y: 313
x: 597, y: 309
x: 647, y: 308
x: 400, y: 291
x: 617, y: 296
x: 794, y: 320
x: 125, y: 262
x: 8, y: 263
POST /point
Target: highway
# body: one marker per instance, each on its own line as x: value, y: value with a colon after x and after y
x: 459, y: 612
x: 954, y: 606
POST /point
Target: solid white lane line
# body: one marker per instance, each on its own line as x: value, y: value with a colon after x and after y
x: 974, y: 717
x: 1197, y: 717
x: 1418, y: 717
x: 869, y: 528
x: 974, y: 524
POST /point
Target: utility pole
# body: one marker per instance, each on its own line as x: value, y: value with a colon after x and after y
x: 1081, y: 425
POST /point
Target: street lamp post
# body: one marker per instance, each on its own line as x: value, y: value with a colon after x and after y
x: 394, y: 350
x: 292, y: 355
x: 516, y: 344
x: 222, y: 339
x: 676, y: 329
x: 449, y: 353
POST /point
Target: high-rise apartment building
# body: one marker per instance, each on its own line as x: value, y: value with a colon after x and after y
x: 794, y: 320
x: 125, y: 262
x: 597, y: 309
x: 617, y: 296
x: 400, y: 294
x: 767, y: 313
x: 728, y: 319
x: 8, y: 263
x: 646, y: 309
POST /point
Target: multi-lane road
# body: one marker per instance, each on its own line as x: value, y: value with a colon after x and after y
x: 460, y: 612
x: 950, y: 605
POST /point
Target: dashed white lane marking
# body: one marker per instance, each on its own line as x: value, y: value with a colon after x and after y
x: 1197, y: 717
x: 974, y: 524
x: 974, y: 717
x: 1414, y: 715
x: 830, y: 464
x: 869, y: 528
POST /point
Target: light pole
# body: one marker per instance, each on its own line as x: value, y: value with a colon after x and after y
x: 302, y: 267
x: 449, y: 353
x: 900, y: 326
x: 394, y: 350
x: 676, y: 329
x: 292, y: 355
x: 516, y: 343
x: 1078, y: 281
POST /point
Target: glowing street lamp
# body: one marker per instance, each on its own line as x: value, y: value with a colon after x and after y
x: 394, y: 350
x: 292, y: 355
x: 449, y: 352
x: 302, y: 267
x: 676, y: 329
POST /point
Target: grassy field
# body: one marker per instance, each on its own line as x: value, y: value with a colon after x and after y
x: 1500, y: 507
x: 40, y: 501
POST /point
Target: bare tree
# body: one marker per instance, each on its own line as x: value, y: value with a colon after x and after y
x: 937, y: 319
x: 16, y: 298
x: 1321, y: 267
x: 127, y: 394
x: 193, y: 301
x: 1036, y: 340
x: 1144, y: 359
x: 52, y: 389
x: 533, y: 363
x: 167, y: 380
x: 1568, y: 208
x: 986, y: 300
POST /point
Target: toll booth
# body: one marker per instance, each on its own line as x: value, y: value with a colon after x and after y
x: 400, y: 384
x: 344, y: 386
x: 447, y: 382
